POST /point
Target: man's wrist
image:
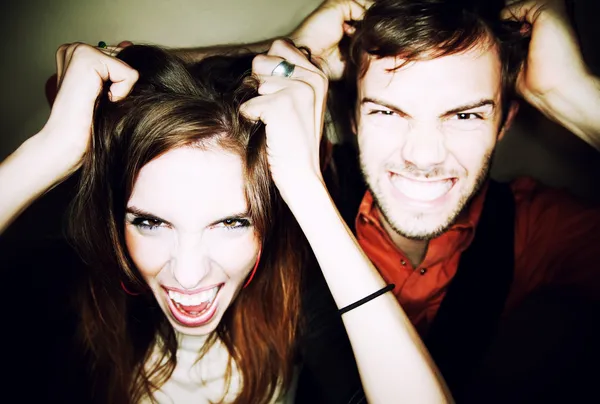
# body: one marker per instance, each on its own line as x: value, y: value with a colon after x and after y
x: 575, y: 106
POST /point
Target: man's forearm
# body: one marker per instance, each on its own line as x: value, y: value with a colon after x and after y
x: 197, y: 54
x: 577, y: 108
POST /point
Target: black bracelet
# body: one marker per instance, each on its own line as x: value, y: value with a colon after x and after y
x: 364, y: 300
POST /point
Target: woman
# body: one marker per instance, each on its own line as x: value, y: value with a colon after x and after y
x: 180, y: 204
x: 201, y: 219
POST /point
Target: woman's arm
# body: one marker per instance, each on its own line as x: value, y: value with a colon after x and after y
x: 53, y: 154
x: 34, y: 168
x: 393, y: 363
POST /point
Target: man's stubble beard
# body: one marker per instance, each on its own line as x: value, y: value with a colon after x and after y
x: 463, y: 203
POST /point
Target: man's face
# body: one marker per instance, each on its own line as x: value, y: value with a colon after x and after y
x: 426, y: 134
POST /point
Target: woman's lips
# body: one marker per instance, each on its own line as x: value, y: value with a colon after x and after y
x: 193, y: 310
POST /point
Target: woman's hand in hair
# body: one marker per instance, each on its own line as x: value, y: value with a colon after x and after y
x: 323, y: 30
x: 292, y: 108
x: 555, y: 78
x: 50, y: 156
x: 81, y: 72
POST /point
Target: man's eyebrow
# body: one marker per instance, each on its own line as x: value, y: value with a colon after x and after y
x: 460, y: 108
x: 385, y: 105
x: 466, y: 107
x: 145, y: 214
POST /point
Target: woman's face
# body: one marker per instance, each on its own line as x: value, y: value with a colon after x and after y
x: 188, y: 232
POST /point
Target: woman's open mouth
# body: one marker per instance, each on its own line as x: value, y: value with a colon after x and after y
x: 193, y: 309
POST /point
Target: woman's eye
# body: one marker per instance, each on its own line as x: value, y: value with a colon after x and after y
x: 235, y: 223
x: 147, y: 223
x: 384, y: 112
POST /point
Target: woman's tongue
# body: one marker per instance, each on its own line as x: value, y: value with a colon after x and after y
x: 195, y: 309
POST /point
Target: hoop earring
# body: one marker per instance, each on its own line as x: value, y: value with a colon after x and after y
x: 130, y: 293
x: 253, y: 269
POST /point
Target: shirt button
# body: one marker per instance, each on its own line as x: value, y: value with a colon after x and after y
x: 403, y: 262
x: 423, y: 271
x: 363, y: 219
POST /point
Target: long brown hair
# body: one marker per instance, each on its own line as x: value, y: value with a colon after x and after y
x: 175, y: 105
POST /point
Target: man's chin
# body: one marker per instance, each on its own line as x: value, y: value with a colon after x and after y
x: 420, y: 220
x: 421, y: 226
x: 422, y: 232
x: 426, y: 221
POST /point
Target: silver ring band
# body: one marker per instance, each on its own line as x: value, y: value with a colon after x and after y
x: 284, y: 69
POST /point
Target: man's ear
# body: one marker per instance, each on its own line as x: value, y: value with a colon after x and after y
x: 512, y: 113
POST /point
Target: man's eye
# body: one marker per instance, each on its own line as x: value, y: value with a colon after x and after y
x: 465, y: 116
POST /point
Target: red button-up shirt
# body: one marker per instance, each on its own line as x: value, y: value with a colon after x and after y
x: 557, y: 243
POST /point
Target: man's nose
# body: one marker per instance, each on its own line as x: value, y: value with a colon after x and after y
x: 424, y: 147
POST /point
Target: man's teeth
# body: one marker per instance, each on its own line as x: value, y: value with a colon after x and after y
x: 421, y: 190
x: 195, y: 299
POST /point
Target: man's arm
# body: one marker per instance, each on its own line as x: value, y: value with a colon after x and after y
x: 197, y: 54
x: 555, y: 79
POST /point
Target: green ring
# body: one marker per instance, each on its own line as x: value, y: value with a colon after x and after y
x: 102, y: 44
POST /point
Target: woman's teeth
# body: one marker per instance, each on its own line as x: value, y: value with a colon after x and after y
x: 206, y: 296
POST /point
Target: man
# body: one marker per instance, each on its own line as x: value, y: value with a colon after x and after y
x: 434, y: 95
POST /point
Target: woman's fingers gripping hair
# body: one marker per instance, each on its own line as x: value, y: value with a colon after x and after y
x: 80, y: 60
